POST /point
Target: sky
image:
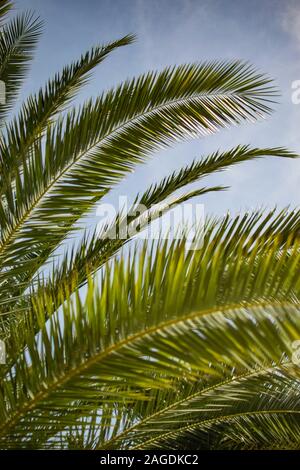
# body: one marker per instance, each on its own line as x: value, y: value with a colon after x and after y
x: 263, y: 32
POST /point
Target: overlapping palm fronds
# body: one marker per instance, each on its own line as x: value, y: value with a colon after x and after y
x: 165, y: 347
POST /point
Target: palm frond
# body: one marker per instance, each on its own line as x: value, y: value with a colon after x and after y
x: 209, y: 327
x: 5, y: 7
x: 254, y: 229
x: 18, y: 39
x: 198, y: 414
x: 159, y: 345
x: 39, y: 111
x: 101, y: 248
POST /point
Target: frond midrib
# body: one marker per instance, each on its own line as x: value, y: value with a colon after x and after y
x: 27, y: 406
x: 12, y: 51
x: 186, y: 399
x: 12, y: 234
x: 219, y: 419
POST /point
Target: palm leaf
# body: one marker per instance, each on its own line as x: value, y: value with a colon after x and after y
x: 18, y: 39
x: 166, y: 347
x: 96, y: 250
x: 5, y: 7
x: 158, y: 335
x: 40, y: 110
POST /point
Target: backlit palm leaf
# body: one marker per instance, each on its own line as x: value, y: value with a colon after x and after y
x: 157, y: 346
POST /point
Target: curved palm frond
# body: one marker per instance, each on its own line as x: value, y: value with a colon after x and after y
x: 17, y: 241
x: 94, y: 251
x: 210, y: 328
x: 158, y: 346
x: 116, y: 133
x: 18, y: 39
x: 5, y: 7
x: 39, y: 111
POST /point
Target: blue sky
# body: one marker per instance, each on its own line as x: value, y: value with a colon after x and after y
x: 264, y: 32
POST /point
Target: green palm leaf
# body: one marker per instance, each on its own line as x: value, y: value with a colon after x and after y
x: 18, y: 39
x: 161, y: 341
x: 156, y: 346
x: 5, y: 7
x: 39, y: 111
x: 55, y: 187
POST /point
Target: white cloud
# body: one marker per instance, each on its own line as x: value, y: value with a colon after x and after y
x: 291, y: 21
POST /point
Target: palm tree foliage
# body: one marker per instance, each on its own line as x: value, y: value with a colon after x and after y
x: 166, y: 347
